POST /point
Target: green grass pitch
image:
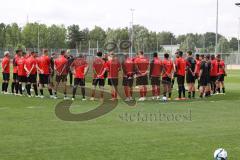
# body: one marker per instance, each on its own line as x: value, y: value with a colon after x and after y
x: 30, y: 130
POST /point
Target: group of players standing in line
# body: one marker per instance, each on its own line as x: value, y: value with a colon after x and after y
x: 207, y: 69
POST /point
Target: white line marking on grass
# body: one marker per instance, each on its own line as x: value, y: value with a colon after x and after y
x: 2, y: 108
x: 34, y: 107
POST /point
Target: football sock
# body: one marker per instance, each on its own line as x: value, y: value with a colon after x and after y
x: 16, y: 87
x: 13, y: 86
x: 6, y: 87
x: 41, y: 92
x: 193, y: 94
x: 83, y: 92
x: 20, y: 88
x: 170, y: 95
x: 223, y: 90
x: 35, y: 89
x: 189, y: 95
x: 50, y: 92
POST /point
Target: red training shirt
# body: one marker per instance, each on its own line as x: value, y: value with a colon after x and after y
x: 113, y: 66
x: 79, y: 66
x: 156, y: 67
x: 181, y: 66
x: 60, y: 65
x: 6, y: 64
x: 98, y: 68
x: 167, y: 67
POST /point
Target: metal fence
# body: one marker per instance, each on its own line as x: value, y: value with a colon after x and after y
x: 230, y: 58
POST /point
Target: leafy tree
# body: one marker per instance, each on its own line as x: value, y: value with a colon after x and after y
x: 234, y: 44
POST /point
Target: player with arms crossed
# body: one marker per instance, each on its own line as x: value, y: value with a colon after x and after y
x: 5, y: 72
x: 142, y: 65
x: 128, y: 73
x: 167, y: 76
x: 98, y: 75
x: 30, y: 67
x: 43, y: 67
x: 113, y: 67
x: 79, y: 68
x: 190, y: 76
x: 204, y: 77
x: 155, y: 74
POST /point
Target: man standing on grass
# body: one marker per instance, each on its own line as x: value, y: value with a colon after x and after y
x: 167, y: 76
x: 213, y: 74
x: 142, y: 65
x: 197, y: 68
x: 5, y: 72
x: 155, y: 73
x: 221, y: 74
x: 43, y: 67
x: 60, y: 66
x: 22, y: 75
x: 79, y: 68
x: 113, y: 67
x: 99, y: 69
x: 204, y: 77
x: 190, y: 76
x: 128, y: 73
x: 15, y: 81
x: 181, y: 71
x: 30, y: 67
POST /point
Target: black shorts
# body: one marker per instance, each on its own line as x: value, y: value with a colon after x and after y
x: 22, y: 79
x: 143, y: 80
x: 180, y: 80
x: 113, y: 81
x: 213, y: 79
x: 79, y: 81
x: 6, y: 76
x: 61, y: 78
x: 166, y: 80
x: 190, y: 78
x: 32, y: 78
x: 127, y: 81
x: 220, y: 78
x: 100, y: 82
x: 204, y: 81
x: 15, y: 76
x: 155, y: 81
x: 44, y: 78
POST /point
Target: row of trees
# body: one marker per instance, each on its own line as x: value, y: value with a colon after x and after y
x: 34, y: 35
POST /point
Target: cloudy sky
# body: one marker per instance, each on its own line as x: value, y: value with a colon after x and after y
x: 177, y: 16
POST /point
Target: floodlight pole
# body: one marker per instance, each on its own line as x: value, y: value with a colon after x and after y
x: 238, y: 4
x: 132, y: 34
x: 38, y: 41
x: 216, y: 40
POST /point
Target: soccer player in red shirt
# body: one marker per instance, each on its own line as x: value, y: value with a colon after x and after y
x: 15, y: 83
x: 113, y: 67
x: 197, y: 68
x: 221, y: 74
x: 142, y: 65
x: 60, y: 66
x: 43, y: 67
x: 5, y: 71
x: 22, y: 75
x: 79, y: 68
x: 167, y: 76
x: 155, y: 73
x: 99, y: 69
x: 181, y: 71
x: 213, y: 73
x: 128, y: 73
x: 30, y: 67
